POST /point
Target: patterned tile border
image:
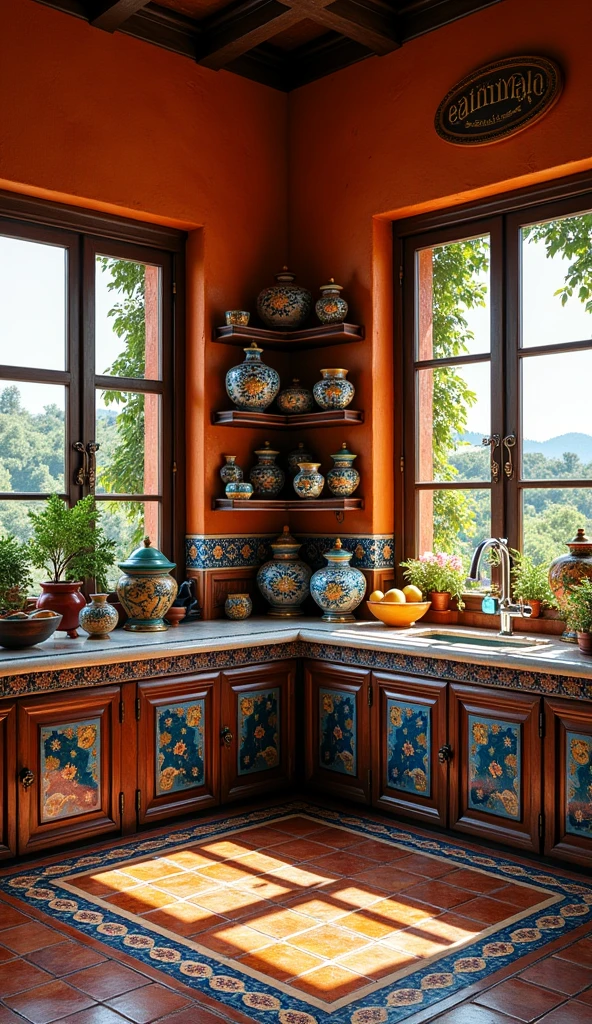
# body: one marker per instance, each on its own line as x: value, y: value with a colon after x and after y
x: 371, y: 551
x: 50, y: 888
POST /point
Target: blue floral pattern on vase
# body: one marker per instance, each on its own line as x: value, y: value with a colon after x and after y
x: 180, y: 746
x: 337, y: 731
x: 259, y: 731
x: 334, y: 391
x: 252, y: 384
x: 70, y: 769
x: 494, y: 767
x: 408, y: 747
x: 284, y: 581
x: 295, y: 399
x: 338, y: 589
x: 284, y: 304
x: 267, y: 478
x: 578, y: 750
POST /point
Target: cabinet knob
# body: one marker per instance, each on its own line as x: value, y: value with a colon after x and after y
x: 445, y: 754
x: 226, y: 736
x: 26, y: 777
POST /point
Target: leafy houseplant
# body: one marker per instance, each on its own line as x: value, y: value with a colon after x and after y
x: 436, y: 573
x: 530, y: 583
x: 15, y: 575
x: 579, y: 613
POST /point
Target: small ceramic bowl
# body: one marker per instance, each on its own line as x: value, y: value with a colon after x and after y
x: 237, y: 317
x: 401, y: 616
x: 238, y: 606
x: 175, y: 614
x: 19, y: 633
x: 238, y: 489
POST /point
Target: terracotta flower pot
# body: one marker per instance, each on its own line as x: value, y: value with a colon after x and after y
x: 440, y: 600
x: 66, y: 600
x: 536, y: 608
x: 585, y: 642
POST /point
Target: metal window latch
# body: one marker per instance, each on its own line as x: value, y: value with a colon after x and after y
x: 87, y: 472
x: 81, y: 473
x: 508, y: 443
x: 494, y: 442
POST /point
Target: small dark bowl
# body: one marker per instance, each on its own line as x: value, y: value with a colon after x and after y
x: 18, y: 633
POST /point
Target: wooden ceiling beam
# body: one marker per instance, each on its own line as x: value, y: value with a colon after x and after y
x: 111, y: 14
x: 242, y: 27
x: 369, y: 24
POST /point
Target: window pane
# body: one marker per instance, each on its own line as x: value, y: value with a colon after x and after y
x: 556, y: 417
x: 556, y: 281
x: 14, y: 520
x: 453, y: 417
x: 128, y: 431
x: 127, y: 318
x: 127, y: 523
x: 32, y: 304
x: 32, y: 437
x: 452, y: 520
x: 453, y: 314
x: 550, y: 518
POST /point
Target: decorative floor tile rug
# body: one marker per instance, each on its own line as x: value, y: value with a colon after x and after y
x: 301, y: 915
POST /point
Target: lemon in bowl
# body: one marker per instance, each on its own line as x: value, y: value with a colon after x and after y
x: 396, y: 612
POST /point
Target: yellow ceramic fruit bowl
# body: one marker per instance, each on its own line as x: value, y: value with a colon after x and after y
x: 399, y: 615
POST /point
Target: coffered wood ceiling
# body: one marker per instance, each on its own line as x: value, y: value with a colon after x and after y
x: 282, y: 43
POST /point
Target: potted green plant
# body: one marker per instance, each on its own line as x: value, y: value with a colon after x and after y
x: 530, y: 583
x: 578, y: 601
x: 439, y: 576
x: 70, y: 545
x: 15, y: 575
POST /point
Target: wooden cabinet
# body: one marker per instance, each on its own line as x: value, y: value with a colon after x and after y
x: 7, y: 779
x: 409, y: 752
x: 568, y: 762
x: 337, y: 730
x: 257, y: 734
x: 178, y: 746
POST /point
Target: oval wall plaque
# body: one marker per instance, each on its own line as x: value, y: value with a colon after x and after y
x: 498, y: 100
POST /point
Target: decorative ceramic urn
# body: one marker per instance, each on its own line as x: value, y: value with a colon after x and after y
x: 568, y: 570
x: 309, y: 483
x: 284, y: 304
x: 284, y: 581
x: 239, y: 490
x: 331, y: 308
x: 252, y: 385
x: 238, y: 606
x: 299, y: 455
x: 343, y: 479
x: 146, y: 590
x: 334, y: 391
x: 230, y: 472
x: 267, y: 478
x: 98, y: 618
x: 65, y: 599
x: 295, y: 399
x: 338, y: 589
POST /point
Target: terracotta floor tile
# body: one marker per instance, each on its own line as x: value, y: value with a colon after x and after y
x: 520, y: 1000
x: 141, y: 899
x: 224, y: 849
x: 585, y: 997
x: 337, y: 838
x: 281, y: 961
x: 520, y: 896
x: 18, y: 975
x: 107, y: 980
x: 105, y: 882
x: 438, y: 894
x: 570, y: 1013
x: 329, y: 941
x: 303, y: 876
x: 280, y: 923
x: 191, y: 859
x: 196, y: 1014
x: 330, y: 983
x: 263, y: 836
x: 401, y: 912
x: 233, y: 939
x: 188, y: 884
x: 346, y: 863
x: 476, y: 881
x: 8, y: 1016
x: 263, y: 888
x: 183, y: 918
x: 150, y: 870
x: 428, y: 936
x: 6, y: 954
x: 27, y: 937
x: 469, y: 1013
x: 558, y: 975
x: 381, y: 852
x: 257, y: 862
x: 149, y: 1003
x: 65, y: 958
x: 390, y: 878
x: 228, y: 871
x: 231, y: 903
x: 96, y: 1015
x: 49, y: 1002
x: 352, y: 894
x: 579, y: 953
x: 429, y: 867
x: 299, y: 849
x: 376, y: 961
x: 366, y: 923
x: 486, y: 910
x: 9, y: 917
x: 319, y: 906
x: 300, y: 826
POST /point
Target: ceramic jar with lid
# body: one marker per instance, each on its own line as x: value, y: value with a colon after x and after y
x: 308, y: 482
x: 267, y: 478
x: 299, y: 455
x: 230, y: 472
x: 334, y: 391
x: 338, y: 589
x: 343, y: 479
x: 284, y: 304
x: 331, y: 308
x: 252, y: 385
x: 295, y: 399
x: 284, y: 581
x: 569, y: 570
x: 99, y: 617
x: 238, y: 490
x: 146, y: 590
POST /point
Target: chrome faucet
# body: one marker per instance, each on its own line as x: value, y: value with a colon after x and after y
x: 504, y: 605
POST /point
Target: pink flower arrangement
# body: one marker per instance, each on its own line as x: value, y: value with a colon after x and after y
x: 436, y: 571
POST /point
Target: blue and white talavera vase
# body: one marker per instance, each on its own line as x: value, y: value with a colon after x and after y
x: 343, y: 479
x: 298, y: 456
x: 99, y: 617
x: 295, y: 399
x: 334, y: 391
x: 308, y: 482
x: 284, y: 304
x: 252, y: 385
x: 284, y: 581
x: 267, y: 478
x: 331, y: 308
x: 238, y: 606
x: 230, y: 472
x: 338, y: 589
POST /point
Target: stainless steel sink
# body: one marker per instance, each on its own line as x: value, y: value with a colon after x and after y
x: 447, y: 636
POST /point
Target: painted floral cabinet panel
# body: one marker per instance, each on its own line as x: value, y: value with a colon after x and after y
x: 69, y: 767
x: 178, y: 746
x: 336, y: 729
x: 495, y: 770
x: 568, y: 760
x: 408, y: 730
x: 257, y: 738
x: 7, y: 780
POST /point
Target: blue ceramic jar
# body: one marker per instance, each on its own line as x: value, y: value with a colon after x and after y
x: 331, y: 308
x: 338, y: 589
x: 334, y: 391
x: 230, y: 472
x: 252, y: 385
x: 343, y: 479
x: 238, y: 490
x: 295, y: 399
x: 99, y: 617
x: 238, y: 606
x: 146, y: 590
x: 284, y: 304
x: 308, y: 482
x: 300, y: 454
x: 284, y: 581
x: 267, y: 478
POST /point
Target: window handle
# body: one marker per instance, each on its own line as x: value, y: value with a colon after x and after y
x: 81, y: 473
x: 509, y: 442
x: 91, y: 449
x: 493, y: 442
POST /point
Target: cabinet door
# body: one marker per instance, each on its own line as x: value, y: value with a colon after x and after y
x: 408, y: 731
x: 495, y: 771
x: 337, y: 731
x: 257, y: 733
x: 69, y: 762
x: 568, y: 780
x: 178, y: 770
x: 7, y: 780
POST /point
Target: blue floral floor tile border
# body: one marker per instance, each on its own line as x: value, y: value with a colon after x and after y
x: 50, y: 888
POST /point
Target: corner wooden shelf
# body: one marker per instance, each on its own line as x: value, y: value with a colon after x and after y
x: 290, y: 341
x: 287, y: 505
x: 279, y: 421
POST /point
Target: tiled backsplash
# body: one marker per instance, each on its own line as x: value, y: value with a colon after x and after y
x: 370, y: 551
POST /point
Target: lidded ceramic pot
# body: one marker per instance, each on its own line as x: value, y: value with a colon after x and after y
x: 331, y: 308
x: 569, y: 570
x: 284, y: 304
x: 334, y: 391
x: 342, y: 478
x: 295, y: 399
x: 309, y: 483
x: 230, y: 472
x: 338, y: 589
x: 99, y: 617
x: 238, y: 490
x: 300, y: 454
x: 284, y: 581
x: 238, y: 606
x: 252, y: 385
x: 267, y: 478
x: 146, y: 590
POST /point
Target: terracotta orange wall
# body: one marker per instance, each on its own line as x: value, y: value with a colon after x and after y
x: 363, y: 151
x: 108, y: 122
